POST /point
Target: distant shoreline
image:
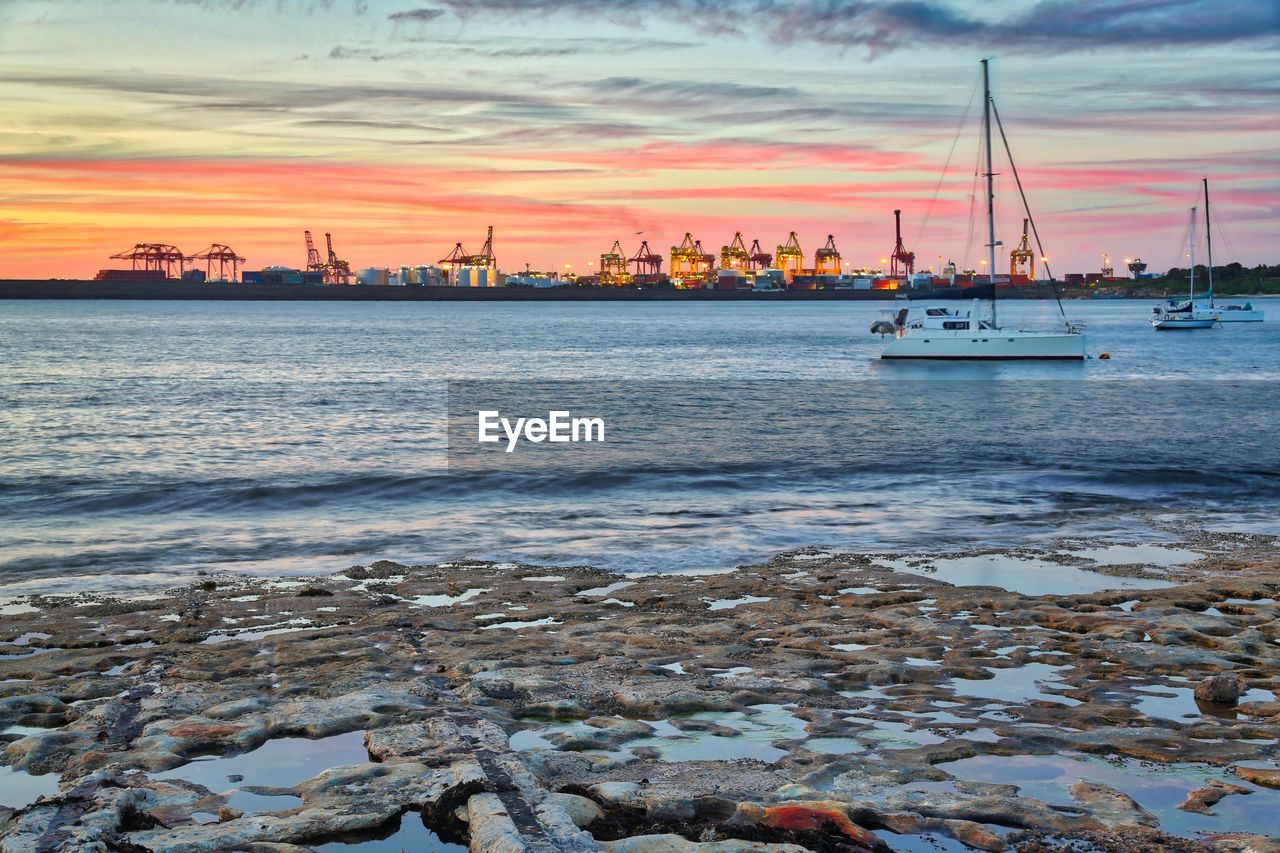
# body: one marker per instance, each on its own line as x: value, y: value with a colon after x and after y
x: 177, y: 290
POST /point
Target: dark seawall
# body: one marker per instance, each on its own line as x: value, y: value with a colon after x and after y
x: 178, y: 290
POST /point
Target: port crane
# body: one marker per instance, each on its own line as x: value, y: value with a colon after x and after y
x: 314, y: 264
x: 223, y: 257
x: 646, y: 262
x: 613, y: 266
x: 901, y: 262
x: 337, y: 271
x: 735, y: 256
x: 155, y: 256
x: 826, y: 261
x: 790, y: 257
x: 1022, y: 256
x: 759, y: 258
x: 485, y: 258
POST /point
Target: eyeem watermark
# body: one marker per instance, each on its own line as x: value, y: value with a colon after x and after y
x: 560, y: 427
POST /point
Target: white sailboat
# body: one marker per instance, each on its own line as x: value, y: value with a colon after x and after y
x: 939, y: 332
x: 1187, y: 315
x: 1229, y: 313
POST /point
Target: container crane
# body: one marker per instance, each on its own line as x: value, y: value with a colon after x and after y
x: 790, y: 257
x: 1022, y: 256
x: 647, y: 264
x: 614, y: 266
x: 826, y: 261
x: 337, y: 271
x: 759, y: 259
x: 735, y: 256
x: 901, y: 263
x: 313, y: 256
x: 224, y: 257
x: 685, y: 258
x: 155, y: 256
x: 485, y: 258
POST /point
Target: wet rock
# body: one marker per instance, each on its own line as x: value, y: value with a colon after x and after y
x: 679, y: 844
x: 1201, y: 799
x: 1114, y: 808
x: 1266, y: 778
x: 1221, y: 689
x: 582, y: 811
x: 810, y: 815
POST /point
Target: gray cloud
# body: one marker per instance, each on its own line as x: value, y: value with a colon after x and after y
x: 885, y: 25
x: 415, y: 15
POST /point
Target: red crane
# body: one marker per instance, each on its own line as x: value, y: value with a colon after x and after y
x: 760, y: 259
x: 155, y: 256
x: 901, y: 262
x: 485, y: 258
x: 337, y: 271
x: 224, y: 257
x: 313, y: 256
x: 646, y: 262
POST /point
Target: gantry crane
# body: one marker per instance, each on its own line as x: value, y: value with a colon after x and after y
x: 1022, y: 257
x: 901, y: 263
x: 647, y: 264
x: 790, y: 257
x: 613, y: 266
x: 224, y: 257
x: 685, y: 258
x: 826, y: 261
x: 759, y: 259
x: 735, y: 256
x: 155, y: 256
x: 314, y: 264
x: 485, y: 257
x: 337, y: 271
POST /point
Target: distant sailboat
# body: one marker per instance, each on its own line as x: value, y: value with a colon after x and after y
x: 1187, y: 315
x: 1229, y: 313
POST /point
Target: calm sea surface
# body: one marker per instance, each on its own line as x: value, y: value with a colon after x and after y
x: 144, y: 441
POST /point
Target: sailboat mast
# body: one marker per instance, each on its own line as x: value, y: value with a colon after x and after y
x: 1208, y: 237
x: 1193, y: 258
x: 991, y: 191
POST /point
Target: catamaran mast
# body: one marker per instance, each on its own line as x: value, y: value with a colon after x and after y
x: 991, y: 192
x: 1208, y: 237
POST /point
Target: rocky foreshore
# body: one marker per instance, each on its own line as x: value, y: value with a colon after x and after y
x: 821, y: 701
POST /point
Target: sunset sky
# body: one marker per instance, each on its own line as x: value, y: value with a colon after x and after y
x: 406, y: 126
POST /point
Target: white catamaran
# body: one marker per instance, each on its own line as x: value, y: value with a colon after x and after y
x: 939, y: 332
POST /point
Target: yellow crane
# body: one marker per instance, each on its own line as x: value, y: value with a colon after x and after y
x: 1022, y: 259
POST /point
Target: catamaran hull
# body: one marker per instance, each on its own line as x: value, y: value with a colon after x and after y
x: 1240, y: 316
x: 992, y: 348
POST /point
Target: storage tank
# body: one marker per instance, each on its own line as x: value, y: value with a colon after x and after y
x: 407, y: 275
x: 421, y: 275
x: 373, y: 276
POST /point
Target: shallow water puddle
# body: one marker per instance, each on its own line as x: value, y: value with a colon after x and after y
x: 1157, y: 788
x: 600, y: 591
x: 731, y: 603
x: 1019, y: 574
x: 516, y: 626
x: 409, y: 833
x: 1016, y: 685
x: 279, y: 763
x: 849, y: 647
x: 289, y: 627
x: 18, y: 788
x: 1123, y: 555
x: 1173, y: 703
x: 757, y: 734
x: 447, y: 600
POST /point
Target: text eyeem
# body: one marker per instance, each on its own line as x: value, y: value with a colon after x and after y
x: 559, y: 427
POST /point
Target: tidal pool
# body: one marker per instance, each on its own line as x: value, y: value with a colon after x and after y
x: 19, y: 788
x: 1019, y: 574
x: 1015, y: 685
x: 408, y: 833
x: 1156, y: 787
x: 278, y: 763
